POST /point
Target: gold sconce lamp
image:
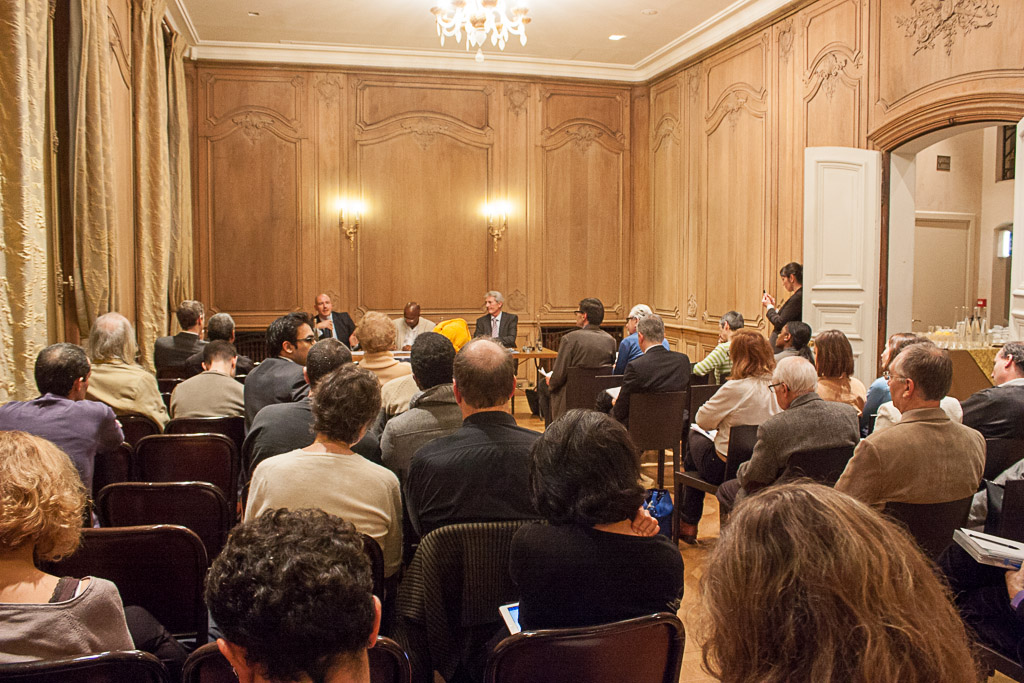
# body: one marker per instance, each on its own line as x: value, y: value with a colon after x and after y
x: 352, y: 210
x: 497, y: 220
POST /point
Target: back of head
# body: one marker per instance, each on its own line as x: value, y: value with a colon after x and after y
x: 833, y: 353
x: 808, y: 584
x: 112, y: 338
x: 652, y: 328
x: 751, y: 355
x: 797, y: 374
x: 284, y: 329
x: 593, y: 309
x: 220, y: 326
x: 733, y: 320
x: 1015, y: 352
x: 58, y: 366
x: 294, y: 589
x: 584, y: 469
x: 484, y: 374
x: 799, y: 332
x: 219, y: 350
x: 375, y: 332
x: 324, y: 357
x: 41, y: 495
x: 929, y: 366
x: 793, y: 268
x: 346, y: 400
x: 640, y: 311
x: 189, y: 314
x: 432, y: 357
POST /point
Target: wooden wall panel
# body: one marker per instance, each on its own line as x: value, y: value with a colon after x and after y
x: 119, y: 13
x: 832, y: 78
x: 664, y: 266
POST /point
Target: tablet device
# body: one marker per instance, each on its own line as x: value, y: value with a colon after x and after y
x: 510, y: 613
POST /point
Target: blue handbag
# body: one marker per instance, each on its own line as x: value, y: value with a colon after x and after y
x: 658, y: 503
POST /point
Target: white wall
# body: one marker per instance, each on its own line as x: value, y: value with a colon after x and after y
x: 996, y: 210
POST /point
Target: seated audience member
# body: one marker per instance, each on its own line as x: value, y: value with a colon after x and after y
x: 456, y: 330
x: 718, y: 361
x: 279, y: 378
x: 219, y: 326
x: 805, y: 423
x: 629, y: 347
x: 116, y: 379
x: 888, y: 414
x: 170, y: 353
x: 926, y: 458
x: 998, y: 413
x: 497, y: 325
x: 656, y: 370
x: 285, y: 427
x: 61, y: 414
x: 376, y: 337
x: 433, y: 411
x: 745, y: 399
x: 793, y: 341
x: 330, y: 324
x: 801, y: 564
x: 329, y: 475
x: 214, y: 392
x: 792, y: 275
x: 292, y: 592
x: 409, y: 326
x: 834, y: 361
x: 581, y: 568
x: 43, y: 616
x: 480, y: 473
x: 589, y: 347
x: 878, y: 392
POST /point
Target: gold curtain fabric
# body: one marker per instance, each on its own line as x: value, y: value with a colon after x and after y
x: 24, y: 262
x: 94, y: 211
x: 152, y: 175
x: 181, y: 280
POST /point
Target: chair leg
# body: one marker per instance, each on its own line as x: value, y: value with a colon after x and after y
x: 676, y: 499
x: 661, y: 468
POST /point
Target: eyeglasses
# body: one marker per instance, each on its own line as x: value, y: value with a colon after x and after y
x: 309, y: 340
x: 773, y: 387
x: 889, y: 377
x: 579, y: 312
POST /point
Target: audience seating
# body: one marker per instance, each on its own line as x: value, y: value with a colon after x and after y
x: 231, y: 427
x: 648, y: 649
x: 165, y: 396
x: 656, y: 423
x: 582, y: 386
x: 211, y: 458
x: 1009, y: 521
x: 931, y: 524
x: 160, y: 568
x: 1000, y: 454
x: 448, y: 602
x: 167, y: 384
x: 195, y: 505
x: 388, y: 664
x: 992, y: 661
x: 823, y: 465
x: 376, y: 555
x: 112, y: 467
x: 129, y: 666
x: 137, y: 427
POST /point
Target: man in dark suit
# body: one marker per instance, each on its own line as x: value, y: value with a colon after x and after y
x: 279, y: 378
x: 589, y: 347
x: 656, y: 370
x: 172, y: 352
x: 329, y: 323
x: 221, y: 326
x: 998, y: 412
x: 792, y: 281
x: 496, y: 324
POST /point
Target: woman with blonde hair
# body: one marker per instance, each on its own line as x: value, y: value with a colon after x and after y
x: 43, y: 616
x: 376, y: 335
x: 834, y: 361
x: 808, y: 585
x: 746, y: 399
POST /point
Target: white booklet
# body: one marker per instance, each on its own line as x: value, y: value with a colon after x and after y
x: 991, y: 550
x: 710, y: 434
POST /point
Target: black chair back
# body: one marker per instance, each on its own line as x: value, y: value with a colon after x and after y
x: 582, y: 386
x: 195, y: 505
x: 1008, y: 522
x: 741, y: 447
x: 167, y: 384
x: 137, y: 427
x: 212, y: 458
x: 823, y: 465
x: 992, y: 661
x: 129, y: 666
x: 648, y: 649
x: 112, y: 467
x: 376, y: 555
x: 1000, y: 454
x: 656, y: 423
x: 231, y: 427
x: 160, y: 568
x: 931, y: 524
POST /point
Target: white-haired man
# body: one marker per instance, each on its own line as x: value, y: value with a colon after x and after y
x: 497, y: 324
x: 629, y: 347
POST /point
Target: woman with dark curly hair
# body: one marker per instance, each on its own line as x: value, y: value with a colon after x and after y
x: 808, y: 585
x: 591, y: 564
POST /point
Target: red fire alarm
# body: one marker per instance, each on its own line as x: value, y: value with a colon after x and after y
x: 982, y: 303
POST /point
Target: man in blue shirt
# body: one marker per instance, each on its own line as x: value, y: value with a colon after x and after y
x: 629, y: 348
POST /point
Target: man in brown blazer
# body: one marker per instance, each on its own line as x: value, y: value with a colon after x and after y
x: 589, y: 347
x: 926, y: 458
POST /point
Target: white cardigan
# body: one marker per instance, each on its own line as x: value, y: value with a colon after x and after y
x: 746, y: 401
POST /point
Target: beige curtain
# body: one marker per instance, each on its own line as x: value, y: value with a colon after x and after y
x: 24, y: 262
x: 94, y: 211
x: 181, y: 282
x: 152, y: 175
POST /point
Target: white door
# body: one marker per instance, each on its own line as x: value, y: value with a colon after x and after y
x: 842, y: 225
x: 1017, y: 253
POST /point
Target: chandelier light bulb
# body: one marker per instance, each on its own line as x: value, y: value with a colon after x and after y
x: 481, y: 20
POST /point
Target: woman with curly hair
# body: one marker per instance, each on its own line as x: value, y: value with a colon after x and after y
x: 808, y: 585
x: 834, y: 361
x: 41, y: 504
x: 376, y: 335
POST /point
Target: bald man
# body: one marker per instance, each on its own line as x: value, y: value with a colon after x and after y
x: 410, y: 326
x: 329, y: 323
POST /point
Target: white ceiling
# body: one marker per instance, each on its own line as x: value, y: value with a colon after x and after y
x: 565, y: 37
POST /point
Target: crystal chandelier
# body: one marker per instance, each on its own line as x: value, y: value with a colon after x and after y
x: 481, y: 19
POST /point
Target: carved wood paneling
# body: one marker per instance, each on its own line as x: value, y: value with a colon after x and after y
x: 667, y: 201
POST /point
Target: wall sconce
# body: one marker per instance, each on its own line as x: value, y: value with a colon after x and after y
x: 497, y: 220
x: 355, y: 212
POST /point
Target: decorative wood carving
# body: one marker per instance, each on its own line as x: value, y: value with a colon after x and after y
x: 667, y: 128
x: 829, y: 69
x: 785, y: 39
x: 252, y: 124
x: 694, y: 80
x: 935, y: 21
x: 425, y: 131
x: 517, y: 301
x: 517, y: 98
x: 328, y: 87
x: 740, y: 97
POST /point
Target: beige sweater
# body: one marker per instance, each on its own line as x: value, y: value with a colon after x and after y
x: 746, y: 401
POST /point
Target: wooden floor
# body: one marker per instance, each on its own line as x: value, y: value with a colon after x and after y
x: 694, y: 558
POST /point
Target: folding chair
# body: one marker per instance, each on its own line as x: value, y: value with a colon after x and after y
x: 127, y: 666
x: 211, y: 458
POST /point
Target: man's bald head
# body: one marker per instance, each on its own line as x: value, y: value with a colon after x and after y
x: 485, y: 374
x: 412, y: 314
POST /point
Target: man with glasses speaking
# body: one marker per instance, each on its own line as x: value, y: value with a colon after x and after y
x: 278, y: 379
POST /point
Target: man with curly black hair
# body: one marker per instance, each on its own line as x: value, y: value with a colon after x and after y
x: 292, y: 594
